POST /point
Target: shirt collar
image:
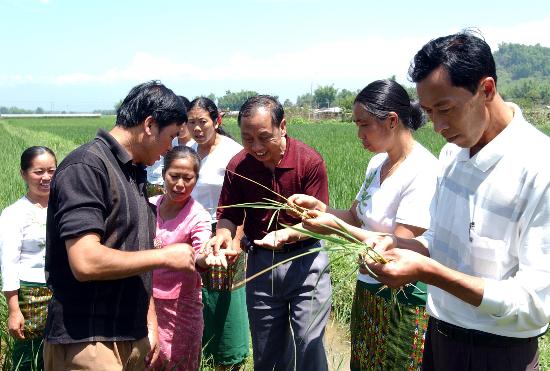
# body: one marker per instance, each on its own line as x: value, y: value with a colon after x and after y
x: 493, y: 151
x: 289, y: 157
x: 114, y: 146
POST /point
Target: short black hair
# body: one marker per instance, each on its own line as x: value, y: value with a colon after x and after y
x: 268, y: 102
x: 185, y: 102
x: 151, y: 99
x: 466, y: 57
x: 31, y: 153
x: 381, y: 97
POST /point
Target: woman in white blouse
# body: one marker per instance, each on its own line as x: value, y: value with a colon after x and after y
x: 225, y: 337
x: 22, y: 252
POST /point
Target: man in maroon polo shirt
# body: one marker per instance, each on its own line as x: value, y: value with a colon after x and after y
x: 288, y: 307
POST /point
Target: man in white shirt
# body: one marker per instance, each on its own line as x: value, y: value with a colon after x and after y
x: 486, y: 256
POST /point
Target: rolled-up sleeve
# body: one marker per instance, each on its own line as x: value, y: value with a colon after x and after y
x: 82, y: 207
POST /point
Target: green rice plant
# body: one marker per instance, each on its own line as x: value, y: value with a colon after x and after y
x: 340, y: 241
x: 345, y: 158
x: 343, y: 286
x: 6, y: 342
x: 544, y: 352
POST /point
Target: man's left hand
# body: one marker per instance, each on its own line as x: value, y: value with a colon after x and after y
x: 403, y: 267
x: 153, y: 337
x: 274, y: 240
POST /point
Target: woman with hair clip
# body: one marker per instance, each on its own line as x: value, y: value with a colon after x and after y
x: 400, y: 180
x: 22, y: 252
x: 225, y: 337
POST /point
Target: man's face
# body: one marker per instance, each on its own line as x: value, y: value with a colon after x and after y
x: 160, y: 141
x: 262, y: 139
x: 457, y: 114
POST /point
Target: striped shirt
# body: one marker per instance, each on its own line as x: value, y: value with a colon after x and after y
x: 97, y: 189
x: 491, y: 219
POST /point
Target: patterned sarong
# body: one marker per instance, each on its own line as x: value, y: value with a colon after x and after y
x: 33, y: 302
x: 385, y: 334
x: 221, y: 279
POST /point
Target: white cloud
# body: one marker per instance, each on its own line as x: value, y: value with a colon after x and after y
x: 530, y: 33
x: 338, y: 60
x: 16, y: 79
x: 364, y: 59
x: 44, y: 1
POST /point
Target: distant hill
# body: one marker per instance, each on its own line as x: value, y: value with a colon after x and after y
x: 524, y: 73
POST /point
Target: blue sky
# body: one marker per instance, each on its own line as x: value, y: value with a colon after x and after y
x: 81, y: 55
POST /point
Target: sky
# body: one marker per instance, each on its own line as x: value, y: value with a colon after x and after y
x: 81, y: 55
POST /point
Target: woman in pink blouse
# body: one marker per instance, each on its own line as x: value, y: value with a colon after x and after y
x: 177, y: 295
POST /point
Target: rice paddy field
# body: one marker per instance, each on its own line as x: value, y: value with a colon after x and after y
x: 345, y: 158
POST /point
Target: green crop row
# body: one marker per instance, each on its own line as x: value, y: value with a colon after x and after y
x: 337, y: 142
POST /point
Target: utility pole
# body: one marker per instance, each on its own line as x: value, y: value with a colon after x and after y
x: 310, y: 101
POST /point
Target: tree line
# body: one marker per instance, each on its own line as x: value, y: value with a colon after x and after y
x: 524, y: 73
x: 523, y: 77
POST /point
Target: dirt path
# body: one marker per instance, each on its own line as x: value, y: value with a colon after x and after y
x: 337, y: 345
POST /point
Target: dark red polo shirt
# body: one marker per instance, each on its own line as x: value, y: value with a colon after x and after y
x: 301, y: 170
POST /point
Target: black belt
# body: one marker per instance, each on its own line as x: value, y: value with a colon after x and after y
x: 475, y: 337
x: 249, y: 247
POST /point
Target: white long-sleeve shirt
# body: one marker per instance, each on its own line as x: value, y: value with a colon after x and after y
x: 22, y: 244
x: 491, y: 219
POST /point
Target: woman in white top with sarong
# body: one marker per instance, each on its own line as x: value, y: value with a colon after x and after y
x: 22, y: 254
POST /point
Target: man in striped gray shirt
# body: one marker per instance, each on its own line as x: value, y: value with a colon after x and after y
x: 486, y: 256
x: 100, y: 231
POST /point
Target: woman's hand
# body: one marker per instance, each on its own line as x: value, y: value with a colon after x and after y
x: 16, y: 323
x: 223, y: 257
x: 306, y: 202
x: 321, y: 222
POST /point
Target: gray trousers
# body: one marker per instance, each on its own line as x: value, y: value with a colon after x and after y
x: 288, y: 309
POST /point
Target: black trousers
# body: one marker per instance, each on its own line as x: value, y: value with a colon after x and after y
x: 451, y: 348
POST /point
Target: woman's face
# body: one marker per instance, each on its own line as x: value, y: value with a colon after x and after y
x: 39, y: 175
x: 180, y: 179
x: 201, y: 126
x: 373, y: 133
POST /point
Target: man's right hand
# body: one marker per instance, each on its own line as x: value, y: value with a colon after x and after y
x: 179, y: 257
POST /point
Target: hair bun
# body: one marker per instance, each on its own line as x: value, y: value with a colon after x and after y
x: 417, y: 117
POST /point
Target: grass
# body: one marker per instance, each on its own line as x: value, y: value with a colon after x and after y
x: 337, y: 142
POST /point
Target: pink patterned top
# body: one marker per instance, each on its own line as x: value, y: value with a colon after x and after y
x: 192, y: 225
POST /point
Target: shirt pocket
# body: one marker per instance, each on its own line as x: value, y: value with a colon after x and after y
x: 485, y: 256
